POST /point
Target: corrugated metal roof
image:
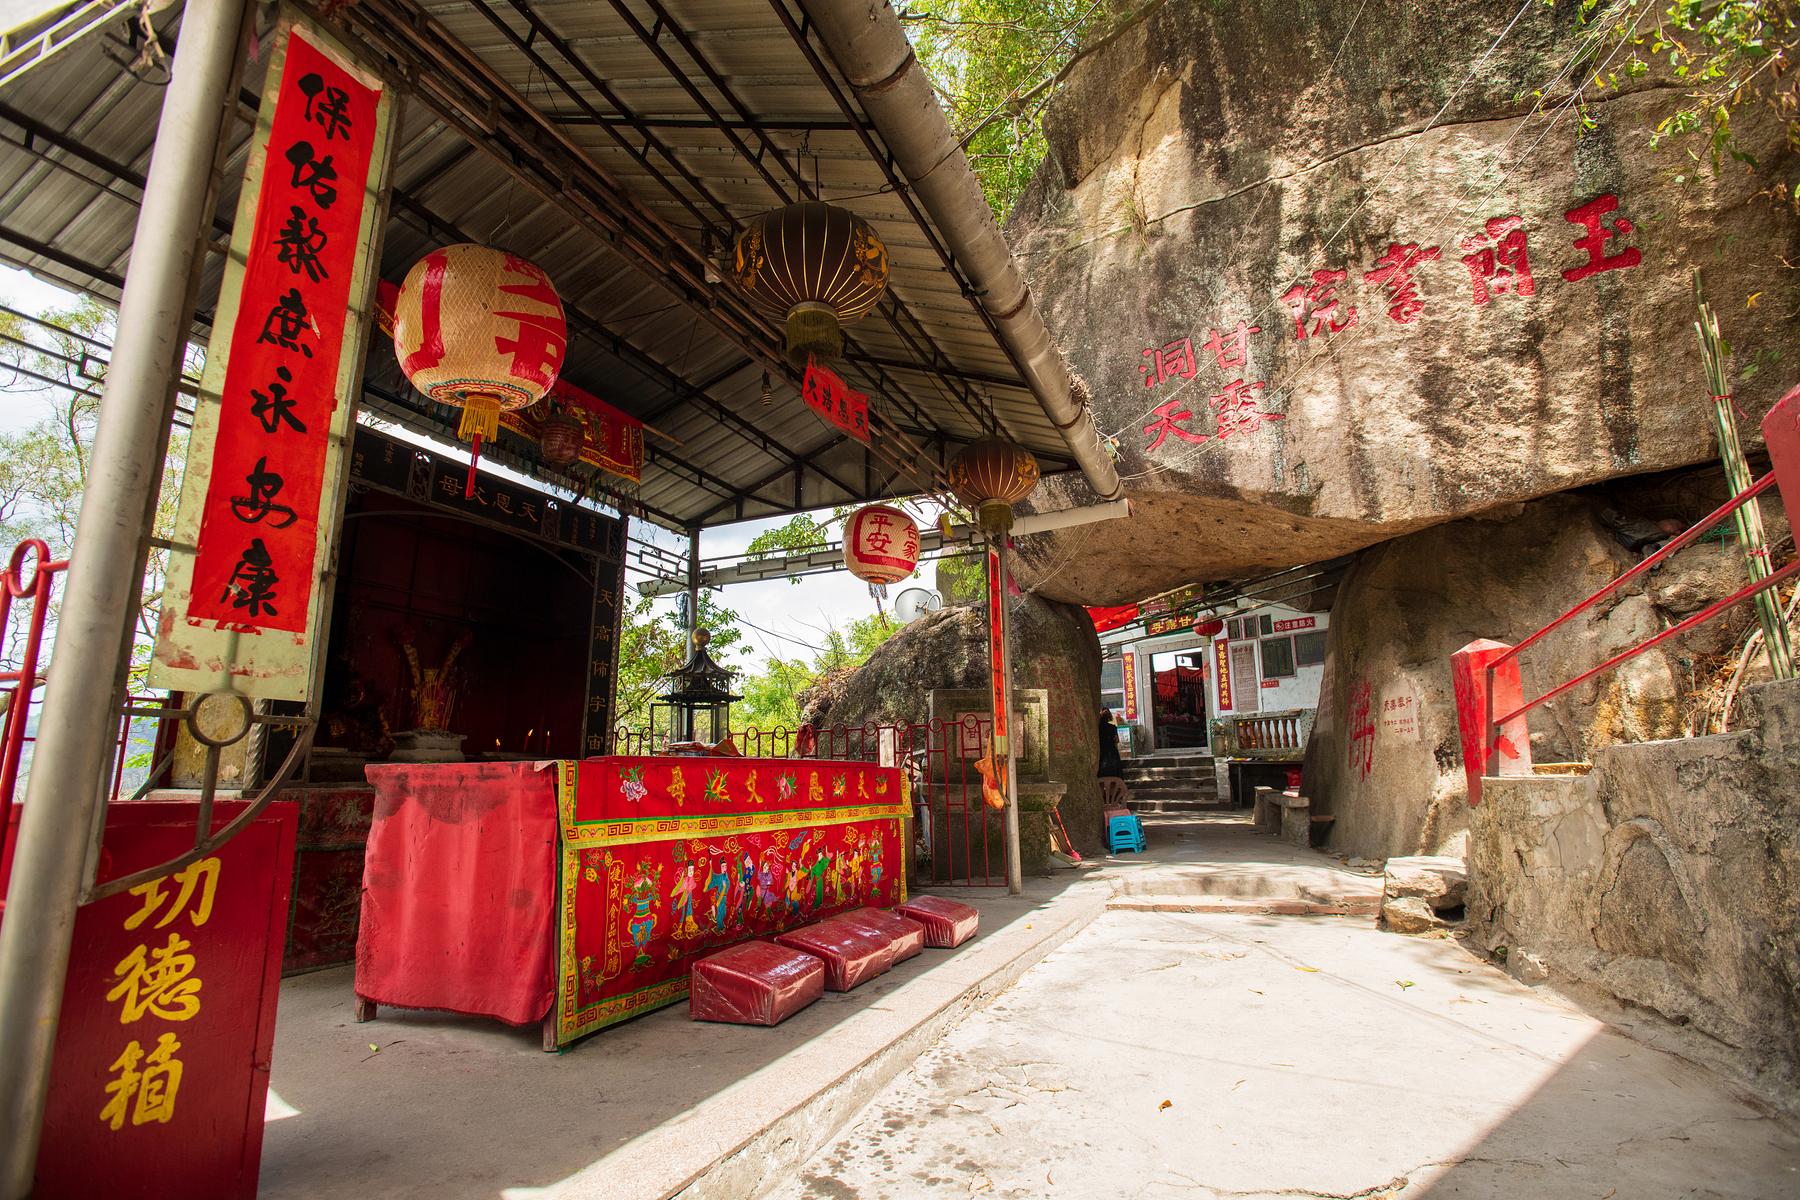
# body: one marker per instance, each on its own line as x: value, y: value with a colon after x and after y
x: 704, y: 113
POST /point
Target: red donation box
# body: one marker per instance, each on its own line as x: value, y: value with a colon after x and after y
x: 168, y: 1017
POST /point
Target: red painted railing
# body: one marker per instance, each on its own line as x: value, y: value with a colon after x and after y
x: 28, y: 678
x: 1484, y: 668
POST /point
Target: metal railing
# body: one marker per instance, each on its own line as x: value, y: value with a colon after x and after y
x: 1495, y: 665
x: 29, y: 677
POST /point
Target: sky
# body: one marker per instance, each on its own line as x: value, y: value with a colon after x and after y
x: 782, y: 618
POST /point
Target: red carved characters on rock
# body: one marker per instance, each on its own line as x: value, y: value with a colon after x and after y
x: 1173, y: 361
x: 1394, y: 271
x: 1498, y: 260
x: 1169, y: 419
x: 1317, y: 303
x: 1237, y: 411
x: 1590, y: 216
x: 1231, y: 350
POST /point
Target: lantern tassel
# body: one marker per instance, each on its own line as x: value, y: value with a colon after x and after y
x: 480, y: 419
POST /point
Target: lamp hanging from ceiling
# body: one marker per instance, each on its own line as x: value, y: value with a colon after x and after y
x: 991, y: 476
x: 482, y: 330
x: 817, y: 268
x: 881, y: 545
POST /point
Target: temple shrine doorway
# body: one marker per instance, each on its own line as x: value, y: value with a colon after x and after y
x: 1178, y: 699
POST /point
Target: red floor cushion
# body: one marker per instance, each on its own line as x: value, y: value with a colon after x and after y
x: 851, y: 955
x: 947, y: 922
x: 755, y: 983
x: 908, y: 936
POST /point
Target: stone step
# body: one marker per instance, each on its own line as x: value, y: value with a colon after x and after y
x: 1177, y: 807
x: 1197, y: 762
x: 1134, y: 774
x: 1173, y: 788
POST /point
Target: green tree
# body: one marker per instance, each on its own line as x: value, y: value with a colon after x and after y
x: 61, y: 360
x: 1720, y: 54
x: 772, y: 695
x: 997, y: 63
x: 651, y: 644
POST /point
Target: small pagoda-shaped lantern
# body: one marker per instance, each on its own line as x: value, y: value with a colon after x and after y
x: 699, y: 685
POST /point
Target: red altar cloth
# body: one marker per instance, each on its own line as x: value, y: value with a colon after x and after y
x: 501, y: 888
x: 459, y: 889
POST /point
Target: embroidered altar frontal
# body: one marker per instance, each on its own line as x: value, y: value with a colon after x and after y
x: 664, y: 860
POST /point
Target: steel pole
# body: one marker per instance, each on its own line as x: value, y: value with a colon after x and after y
x: 1015, y: 870
x: 63, y: 802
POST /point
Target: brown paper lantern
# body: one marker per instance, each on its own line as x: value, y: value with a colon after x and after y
x: 881, y: 544
x: 991, y: 476
x: 560, y: 438
x: 815, y: 267
x: 480, y: 329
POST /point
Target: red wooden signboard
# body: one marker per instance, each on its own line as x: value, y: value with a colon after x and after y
x: 168, y: 1019
x: 834, y: 400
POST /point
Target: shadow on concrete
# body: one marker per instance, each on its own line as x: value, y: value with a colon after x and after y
x: 430, y: 1104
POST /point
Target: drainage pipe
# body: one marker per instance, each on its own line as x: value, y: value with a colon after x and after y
x: 64, y: 805
x: 865, y: 39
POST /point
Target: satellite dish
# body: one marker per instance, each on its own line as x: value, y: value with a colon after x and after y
x: 914, y: 603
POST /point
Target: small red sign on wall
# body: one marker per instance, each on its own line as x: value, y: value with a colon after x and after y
x: 834, y: 400
x: 1295, y: 623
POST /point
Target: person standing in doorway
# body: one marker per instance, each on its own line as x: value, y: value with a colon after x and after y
x: 1110, y: 762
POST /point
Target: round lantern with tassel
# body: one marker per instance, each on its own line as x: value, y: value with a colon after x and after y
x: 1208, y: 627
x: 560, y: 438
x: 881, y: 545
x: 815, y: 267
x: 480, y: 329
x: 991, y: 476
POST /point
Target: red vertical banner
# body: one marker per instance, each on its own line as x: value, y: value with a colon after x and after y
x: 997, y: 647
x: 1130, y: 684
x: 1222, y: 667
x: 259, y: 503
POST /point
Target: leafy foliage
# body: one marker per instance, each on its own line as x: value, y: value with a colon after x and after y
x: 772, y: 695
x: 996, y: 63
x: 651, y: 645
x: 43, y: 468
x: 1726, y: 53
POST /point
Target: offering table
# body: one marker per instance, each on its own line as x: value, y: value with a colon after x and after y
x: 579, y: 893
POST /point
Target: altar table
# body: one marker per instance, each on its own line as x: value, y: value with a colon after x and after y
x: 580, y: 893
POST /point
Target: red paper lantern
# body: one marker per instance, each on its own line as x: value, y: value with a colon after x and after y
x: 881, y: 544
x: 482, y: 330
x: 1208, y: 627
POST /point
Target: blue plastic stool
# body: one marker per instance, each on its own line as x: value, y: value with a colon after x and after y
x: 1124, y: 833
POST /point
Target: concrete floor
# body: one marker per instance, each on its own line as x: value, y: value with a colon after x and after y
x: 459, y: 1108
x: 1163, y: 1054
x: 1290, y: 1057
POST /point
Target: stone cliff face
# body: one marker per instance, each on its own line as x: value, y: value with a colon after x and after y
x: 1493, y: 337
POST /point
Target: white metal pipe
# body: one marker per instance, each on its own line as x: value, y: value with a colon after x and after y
x: 865, y: 39
x: 1067, y: 518
x: 63, y: 802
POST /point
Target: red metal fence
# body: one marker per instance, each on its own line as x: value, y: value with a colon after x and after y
x: 1490, y: 694
x: 26, y: 680
x: 961, y: 839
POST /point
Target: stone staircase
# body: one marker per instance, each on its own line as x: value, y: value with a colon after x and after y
x: 1173, y: 782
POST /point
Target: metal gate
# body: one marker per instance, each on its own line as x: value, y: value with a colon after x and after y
x: 957, y: 839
